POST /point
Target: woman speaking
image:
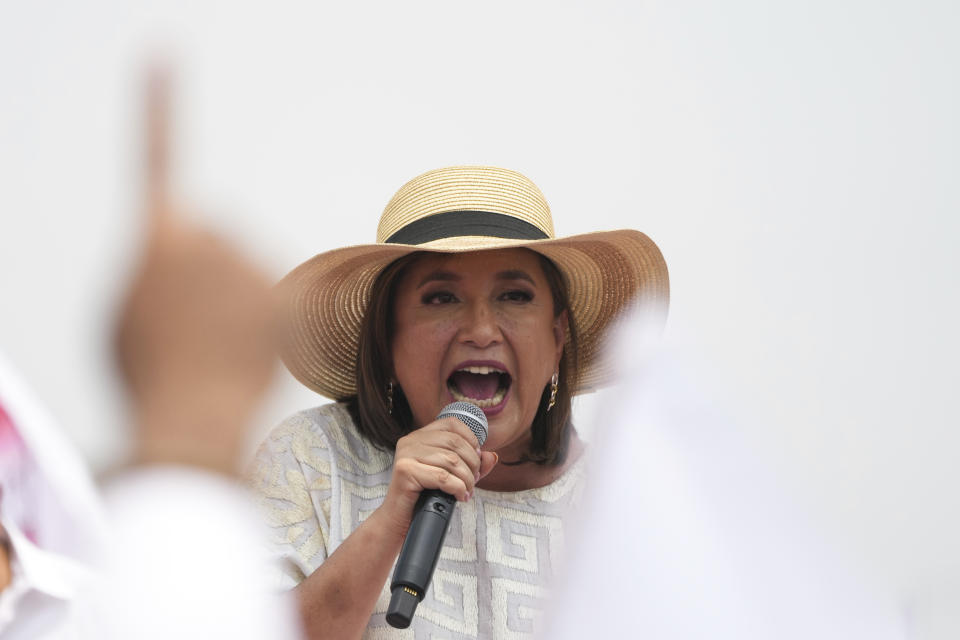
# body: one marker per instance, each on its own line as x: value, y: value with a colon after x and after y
x: 467, y: 295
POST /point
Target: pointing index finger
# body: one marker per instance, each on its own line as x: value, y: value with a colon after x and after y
x: 157, y: 142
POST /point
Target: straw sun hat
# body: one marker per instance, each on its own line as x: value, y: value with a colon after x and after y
x: 454, y: 210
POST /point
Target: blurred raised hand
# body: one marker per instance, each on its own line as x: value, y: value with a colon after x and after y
x: 193, y: 337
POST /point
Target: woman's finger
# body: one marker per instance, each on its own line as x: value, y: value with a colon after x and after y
x: 452, y: 462
x: 451, y: 442
x: 157, y: 142
x: 424, y: 476
x: 452, y: 424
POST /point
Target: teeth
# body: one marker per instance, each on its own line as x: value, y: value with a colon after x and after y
x: 489, y: 402
x: 482, y: 370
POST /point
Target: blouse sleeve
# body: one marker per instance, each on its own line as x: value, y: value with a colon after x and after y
x: 291, y: 478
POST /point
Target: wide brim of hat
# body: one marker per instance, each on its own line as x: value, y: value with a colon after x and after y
x: 324, y: 299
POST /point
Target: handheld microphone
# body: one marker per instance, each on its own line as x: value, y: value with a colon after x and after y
x: 431, y: 517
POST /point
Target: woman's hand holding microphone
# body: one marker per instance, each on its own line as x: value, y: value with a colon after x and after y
x: 443, y: 455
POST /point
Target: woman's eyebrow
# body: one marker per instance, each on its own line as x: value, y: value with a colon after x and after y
x: 439, y: 275
x: 515, y: 274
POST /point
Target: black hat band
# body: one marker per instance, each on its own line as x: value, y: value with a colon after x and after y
x: 452, y: 224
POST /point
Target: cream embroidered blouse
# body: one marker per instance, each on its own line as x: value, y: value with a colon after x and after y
x: 317, y: 480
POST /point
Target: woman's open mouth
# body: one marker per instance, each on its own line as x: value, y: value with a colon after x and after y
x: 483, y: 386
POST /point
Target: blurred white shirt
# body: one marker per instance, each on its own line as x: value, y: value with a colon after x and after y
x: 686, y: 534
x: 188, y: 560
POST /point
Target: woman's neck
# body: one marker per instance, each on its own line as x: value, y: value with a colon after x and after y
x: 529, y: 475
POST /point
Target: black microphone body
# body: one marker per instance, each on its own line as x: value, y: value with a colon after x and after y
x: 418, y: 558
x: 431, y: 517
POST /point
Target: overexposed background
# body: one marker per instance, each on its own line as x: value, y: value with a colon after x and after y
x: 796, y: 162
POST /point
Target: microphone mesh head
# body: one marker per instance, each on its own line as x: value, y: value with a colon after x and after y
x: 470, y: 415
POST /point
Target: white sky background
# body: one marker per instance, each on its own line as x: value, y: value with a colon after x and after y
x: 796, y: 162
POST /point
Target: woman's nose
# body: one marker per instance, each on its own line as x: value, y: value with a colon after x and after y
x: 480, y: 328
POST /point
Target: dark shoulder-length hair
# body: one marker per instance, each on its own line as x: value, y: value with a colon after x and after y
x: 550, y: 430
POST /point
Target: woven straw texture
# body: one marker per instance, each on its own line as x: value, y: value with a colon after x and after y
x: 325, y: 298
x: 466, y: 189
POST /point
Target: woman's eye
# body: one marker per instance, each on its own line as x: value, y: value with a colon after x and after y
x: 516, y: 296
x: 439, y: 297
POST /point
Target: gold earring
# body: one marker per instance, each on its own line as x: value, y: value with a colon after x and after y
x: 390, y: 397
x: 553, y: 390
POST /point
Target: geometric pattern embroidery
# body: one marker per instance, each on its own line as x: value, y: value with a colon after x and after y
x: 517, y: 606
x: 518, y: 539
